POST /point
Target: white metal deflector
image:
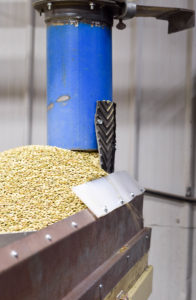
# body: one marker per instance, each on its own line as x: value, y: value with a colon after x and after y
x: 105, y: 194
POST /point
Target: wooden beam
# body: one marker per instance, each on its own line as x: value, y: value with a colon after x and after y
x: 143, y: 287
x: 128, y: 281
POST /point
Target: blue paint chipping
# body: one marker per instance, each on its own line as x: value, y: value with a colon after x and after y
x: 79, y: 71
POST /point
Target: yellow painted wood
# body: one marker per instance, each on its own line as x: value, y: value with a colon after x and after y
x: 129, y: 279
x: 143, y: 286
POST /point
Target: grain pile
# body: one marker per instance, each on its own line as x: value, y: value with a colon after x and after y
x: 35, y: 185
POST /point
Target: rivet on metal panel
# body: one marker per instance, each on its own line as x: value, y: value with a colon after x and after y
x: 188, y: 191
x: 122, y: 201
x: 132, y: 195
x: 100, y: 291
x: 92, y: 5
x: 14, y: 254
x: 48, y: 237
x: 74, y: 224
x: 49, y: 5
x: 106, y: 209
x: 99, y: 121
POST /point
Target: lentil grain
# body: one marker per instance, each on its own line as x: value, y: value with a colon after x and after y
x: 36, y: 182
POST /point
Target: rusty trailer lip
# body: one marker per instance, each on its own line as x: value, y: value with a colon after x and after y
x: 100, y: 282
x: 8, y: 238
x: 50, y: 263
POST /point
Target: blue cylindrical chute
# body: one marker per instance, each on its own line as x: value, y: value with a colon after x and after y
x: 79, y: 71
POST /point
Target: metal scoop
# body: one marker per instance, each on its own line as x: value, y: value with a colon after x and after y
x: 105, y: 194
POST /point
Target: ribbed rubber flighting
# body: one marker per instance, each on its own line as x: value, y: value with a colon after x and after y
x: 79, y: 73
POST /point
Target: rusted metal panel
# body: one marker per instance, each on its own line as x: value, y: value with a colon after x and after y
x: 129, y: 280
x: 101, y: 281
x: 51, y: 262
x: 8, y: 238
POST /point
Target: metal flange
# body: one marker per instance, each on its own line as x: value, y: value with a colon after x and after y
x: 108, y: 10
x: 95, y: 10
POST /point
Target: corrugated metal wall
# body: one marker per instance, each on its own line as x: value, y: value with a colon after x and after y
x: 13, y: 24
x: 154, y: 87
x: 164, y: 100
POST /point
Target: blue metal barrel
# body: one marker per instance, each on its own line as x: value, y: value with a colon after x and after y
x: 79, y: 73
